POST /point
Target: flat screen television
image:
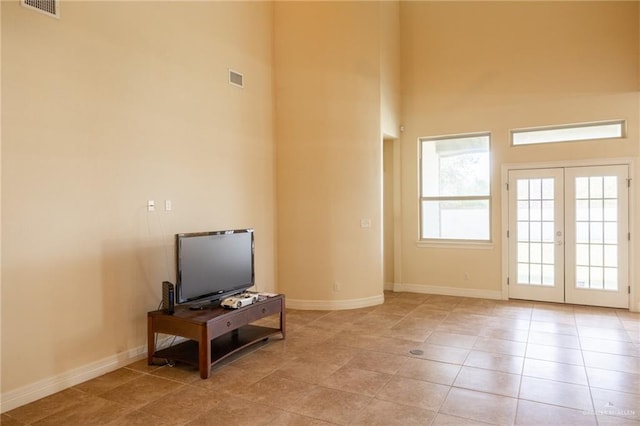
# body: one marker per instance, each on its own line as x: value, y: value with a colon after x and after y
x: 213, y: 265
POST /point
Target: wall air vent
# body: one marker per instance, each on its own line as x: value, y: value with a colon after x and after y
x: 48, y: 7
x: 236, y: 78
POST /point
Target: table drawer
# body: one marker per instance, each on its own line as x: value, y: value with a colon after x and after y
x: 263, y: 310
x: 230, y: 321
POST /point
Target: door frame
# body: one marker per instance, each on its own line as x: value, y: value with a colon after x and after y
x: 396, y: 204
x: 504, y: 220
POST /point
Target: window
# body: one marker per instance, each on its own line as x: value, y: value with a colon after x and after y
x: 455, y: 195
x: 569, y: 133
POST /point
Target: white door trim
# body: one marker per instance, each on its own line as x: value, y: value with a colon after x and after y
x: 506, y: 167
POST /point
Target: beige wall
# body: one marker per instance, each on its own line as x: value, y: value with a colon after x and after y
x: 111, y: 105
x: 390, y: 67
x: 329, y: 158
x: 491, y: 66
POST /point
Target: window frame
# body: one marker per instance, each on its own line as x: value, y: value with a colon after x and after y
x: 453, y: 242
x: 575, y: 126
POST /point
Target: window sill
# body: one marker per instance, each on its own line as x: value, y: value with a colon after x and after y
x: 449, y: 244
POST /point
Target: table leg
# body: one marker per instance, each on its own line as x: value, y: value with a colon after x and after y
x: 204, y: 354
x: 283, y: 325
x: 151, y: 341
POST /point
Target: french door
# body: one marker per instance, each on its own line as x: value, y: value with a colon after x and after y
x: 568, y: 235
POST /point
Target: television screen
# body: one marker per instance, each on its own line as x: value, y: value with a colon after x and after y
x: 212, y: 265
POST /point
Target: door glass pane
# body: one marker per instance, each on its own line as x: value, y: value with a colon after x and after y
x: 582, y: 188
x: 595, y: 187
x: 523, y: 252
x: 523, y: 210
x: 610, y: 187
x: 547, y: 275
x: 596, y: 233
x: 523, y: 273
x: 523, y: 231
x: 596, y: 278
x: 582, y: 276
x: 596, y: 258
x: 535, y: 253
x: 611, y: 232
x: 582, y: 232
x: 582, y: 254
x: 611, y: 278
x: 582, y: 210
x: 536, y: 273
x: 595, y: 210
x: 523, y: 189
x: 548, y: 210
x: 535, y: 211
x: 548, y: 252
x: 547, y: 189
x: 535, y: 189
x: 535, y: 231
x: 547, y: 231
x: 610, y: 210
x: 610, y: 256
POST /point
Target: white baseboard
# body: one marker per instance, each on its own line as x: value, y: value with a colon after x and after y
x: 464, y: 292
x: 448, y: 291
x: 49, y: 386
x: 334, y: 305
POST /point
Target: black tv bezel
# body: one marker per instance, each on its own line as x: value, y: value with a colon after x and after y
x: 219, y: 294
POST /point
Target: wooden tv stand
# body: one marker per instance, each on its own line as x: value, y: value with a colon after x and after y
x: 215, y: 333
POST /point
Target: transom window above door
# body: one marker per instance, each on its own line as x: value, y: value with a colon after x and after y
x: 455, y: 188
x: 570, y: 132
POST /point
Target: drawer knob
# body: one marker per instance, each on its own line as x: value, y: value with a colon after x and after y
x: 228, y: 323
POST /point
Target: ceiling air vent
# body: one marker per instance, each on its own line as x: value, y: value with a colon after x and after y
x: 48, y: 7
x: 236, y: 78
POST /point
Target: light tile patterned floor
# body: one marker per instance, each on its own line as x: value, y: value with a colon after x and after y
x: 415, y: 360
